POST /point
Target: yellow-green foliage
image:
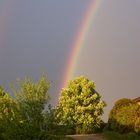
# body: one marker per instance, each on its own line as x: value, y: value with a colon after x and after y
x: 23, y: 117
x: 137, y: 125
x: 29, y: 116
x: 31, y: 98
x: 7, y: 105
x: 80, y: 106
x: 123, y: 116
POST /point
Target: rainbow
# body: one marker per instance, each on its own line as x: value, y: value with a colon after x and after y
x: 79, y: 41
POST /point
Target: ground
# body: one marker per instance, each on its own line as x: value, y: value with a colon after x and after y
x: 87, y: 137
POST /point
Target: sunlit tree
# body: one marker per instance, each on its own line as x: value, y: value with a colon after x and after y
x: 7, y: 114
x: 80, y: 106
x: 31, y: 99
x: 123, y: 116
x: 29, y: 115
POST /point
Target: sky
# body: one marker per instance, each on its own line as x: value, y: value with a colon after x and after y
x: 37, y: 36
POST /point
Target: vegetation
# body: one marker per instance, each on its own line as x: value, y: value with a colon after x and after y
x: 25, y: 117
x: 7, y: 115
x: 123, y: 116
x: 112, y: 135
x: 80, y: 107
x: 137, y: 125
x: 29, y: 116
x: 124, y: 121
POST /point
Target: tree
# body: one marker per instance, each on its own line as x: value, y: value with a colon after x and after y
x: 28, y: 116
x: 80, y: 106
x: 6, y: 112
x: 31, y: 99
x: 123, y: 116
x: 137, y: 125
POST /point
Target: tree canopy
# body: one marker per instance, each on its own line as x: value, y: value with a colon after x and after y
x: 123, y: 116
x: 25, y: 117
x: 80, y: 106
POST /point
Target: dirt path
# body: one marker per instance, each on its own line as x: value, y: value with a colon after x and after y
x: 87, y: 137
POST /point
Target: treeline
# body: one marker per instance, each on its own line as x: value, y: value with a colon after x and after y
x: 30, y: 116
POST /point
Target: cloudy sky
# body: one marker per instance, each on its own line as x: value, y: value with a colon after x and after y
x: 37, y: 36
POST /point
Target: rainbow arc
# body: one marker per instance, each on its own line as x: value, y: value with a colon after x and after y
x: 79, y: 40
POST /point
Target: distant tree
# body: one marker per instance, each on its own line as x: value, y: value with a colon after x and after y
x: 123, y: 116
x: 80, y: 106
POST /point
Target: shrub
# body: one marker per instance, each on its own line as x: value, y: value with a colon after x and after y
x: 25, y: 116
x: 137, y: 125
x: 123, y: 116
x: 132, y: 136
x: 111, y: 135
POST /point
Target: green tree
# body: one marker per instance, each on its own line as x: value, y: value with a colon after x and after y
x: 80, y: 106
x: 137, y: 125
x: 25, y: 117
x: 31, y: 99
x: 123, y: 116
x: 6, y: 112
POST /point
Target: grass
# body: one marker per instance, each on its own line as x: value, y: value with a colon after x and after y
x: 111, y: 135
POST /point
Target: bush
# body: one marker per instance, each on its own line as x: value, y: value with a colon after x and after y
x: 123, y: 116
x: 25, y: 116
x: 111, y: 135
x: 137, y: 125
x: 132, y: 136
x: 123, y: 102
